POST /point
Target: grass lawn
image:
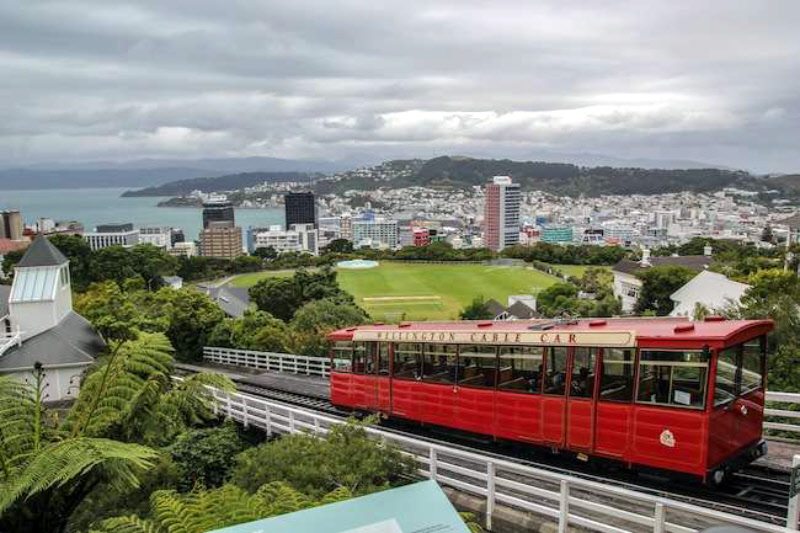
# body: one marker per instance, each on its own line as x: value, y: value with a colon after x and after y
x: 409, y: 291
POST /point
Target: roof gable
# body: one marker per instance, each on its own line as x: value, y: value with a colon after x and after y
x: 42, y: 253
x: 698, y: 263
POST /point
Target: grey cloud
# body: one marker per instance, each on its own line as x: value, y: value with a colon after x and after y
x: 712, y: 81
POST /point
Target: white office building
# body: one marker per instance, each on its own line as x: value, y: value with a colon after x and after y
x: 158, y: 236
x: 378, y: 233
x: 112, y: 235
x: 298, y: 238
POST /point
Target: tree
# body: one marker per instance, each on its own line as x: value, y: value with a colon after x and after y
x: 112, y: 263
x: 557, y: 299
x: 282, y: 297
x: 203, y: 510
x: 203, y: 456
x: 313, y: 321
x: 192, y: 315
x: 256, y: 330
x: 339, y: 246
x: 50, y: 465
x: 476, y: 310
x: 152, y: 264
x: 345, y: 458
x: 267, y: 253
x: 658, y: 284
x: 767, y: 235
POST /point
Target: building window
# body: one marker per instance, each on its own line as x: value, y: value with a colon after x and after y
x: 406, y: 359
x: 582, y: 377
x: 555, y: 377
x: 342, y: 353
x: 616, y: 375
x: 520, y: 369
x: 478, y: 365
x: 676, y: 379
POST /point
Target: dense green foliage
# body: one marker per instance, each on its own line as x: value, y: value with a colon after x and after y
x: 567, y: 255
x: 346, y: 458
x: 282, y: 297
x: 658, y: 283
x: 476, y: 310
x: 127, y: 403
x: 204, y: 456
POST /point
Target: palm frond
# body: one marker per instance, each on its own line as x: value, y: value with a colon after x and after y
x: 63, y: 462
x: 128, y: 524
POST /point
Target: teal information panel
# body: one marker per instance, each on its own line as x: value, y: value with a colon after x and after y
x: 418, y: 508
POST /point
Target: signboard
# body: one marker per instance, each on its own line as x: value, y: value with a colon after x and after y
x: 601, y: 339
x: 421, y: 507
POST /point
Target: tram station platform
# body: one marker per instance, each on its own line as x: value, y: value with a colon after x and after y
x: 312, y: 386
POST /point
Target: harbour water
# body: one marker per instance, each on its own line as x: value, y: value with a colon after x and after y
x: 98, y: 206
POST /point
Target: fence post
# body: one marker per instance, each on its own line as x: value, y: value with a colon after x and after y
x: 659, y: 519
x: 490, y: 473
x: 563, y: 507
x: 268, y: 416
x: 793, y: 512
x: 432, y: 465
x: 291, y: 421
x: 245, y: 408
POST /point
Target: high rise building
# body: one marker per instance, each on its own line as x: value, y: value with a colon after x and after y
x: 300, y: 208
x: 501, y: 213
x: 221, y: 239
x: 217, y: 210
x: 346, y: 227
x: 11, y: 226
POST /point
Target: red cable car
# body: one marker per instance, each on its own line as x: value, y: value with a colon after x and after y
x: 665, y: 393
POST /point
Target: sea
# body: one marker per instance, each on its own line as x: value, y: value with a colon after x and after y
x: 101, y: 206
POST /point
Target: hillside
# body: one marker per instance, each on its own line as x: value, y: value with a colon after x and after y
x: 229, y: 182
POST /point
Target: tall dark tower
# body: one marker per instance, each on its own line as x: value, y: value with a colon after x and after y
x: 300, y: 208
x: 217, y: 211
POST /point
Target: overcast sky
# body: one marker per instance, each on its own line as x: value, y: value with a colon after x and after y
x: 713, y: 81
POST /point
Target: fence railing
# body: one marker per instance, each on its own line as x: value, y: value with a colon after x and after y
x: 563, y: 499
x: 270, y: 361
x: 782, y: 419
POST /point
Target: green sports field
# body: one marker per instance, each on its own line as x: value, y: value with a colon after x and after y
x: 414, y: 291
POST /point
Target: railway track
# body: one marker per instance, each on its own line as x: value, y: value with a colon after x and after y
x: 755, y: 492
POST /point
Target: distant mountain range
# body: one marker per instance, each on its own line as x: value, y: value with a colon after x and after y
x: 230, y: 182
x: 149, y: 172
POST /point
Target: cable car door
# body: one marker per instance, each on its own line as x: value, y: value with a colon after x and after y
x: 554, y: 398
x: 380, y: 395
x: 580, y: 403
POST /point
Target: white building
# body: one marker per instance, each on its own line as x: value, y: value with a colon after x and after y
x: 378, y: 233
x: 39, y: 327
x: 158, y: 236
x: 298, y: 238
x: 183, y: 249
x: 112, y: 235
x: 627, y: 284
x: 713, y: 291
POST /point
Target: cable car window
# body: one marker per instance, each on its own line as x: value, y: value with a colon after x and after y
x: 383, y: 358
x: 342, y: 355
x: 477, y: 366
x: 673, y: 378
x: 362, y: 360
x: 616, y: 375
x: 555, y: 377
x: 439, y: 363
x: 406, y: 359
x: 753, y: 357
x: 726, y: 384
x: 520, y: 369
x: 582, y: 378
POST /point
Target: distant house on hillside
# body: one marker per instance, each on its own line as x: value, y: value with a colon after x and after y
x: 520, y: 307
x: 713, y: 291
x: 39, y: 327
x: 627, y: 284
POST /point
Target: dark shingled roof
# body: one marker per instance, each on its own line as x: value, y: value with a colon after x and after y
x: 495, y: 307
x: 698, y: 263
x: 42, y: 253
x: 522, y: 311
x: 73, y: 341
x: 5, y: 293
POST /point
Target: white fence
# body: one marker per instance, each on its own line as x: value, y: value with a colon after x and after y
x: 271, y: 361
x: 565, y: 500
x: 788, y: 398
